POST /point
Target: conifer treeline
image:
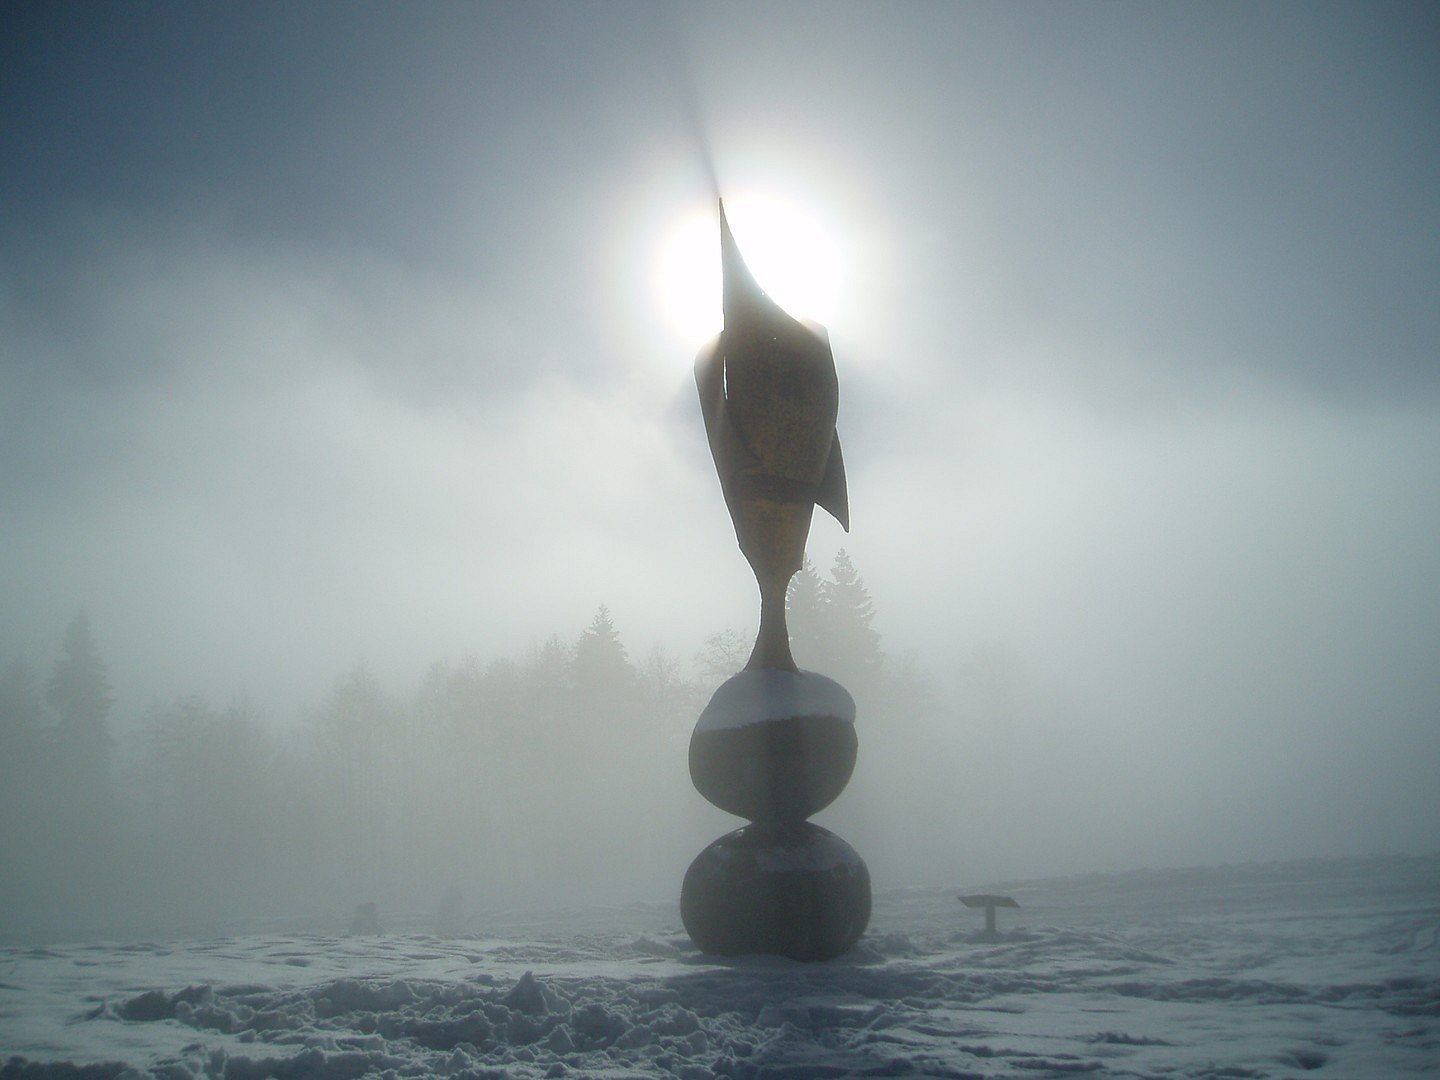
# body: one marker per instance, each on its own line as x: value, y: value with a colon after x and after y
x: 561, y: 773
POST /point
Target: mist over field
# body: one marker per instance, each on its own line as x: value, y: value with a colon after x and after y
x: 344, y: 389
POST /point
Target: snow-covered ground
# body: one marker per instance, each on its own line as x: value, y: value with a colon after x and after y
x: 1249, y: 971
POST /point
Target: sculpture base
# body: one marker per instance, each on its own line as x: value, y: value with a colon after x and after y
x: 793, y: 890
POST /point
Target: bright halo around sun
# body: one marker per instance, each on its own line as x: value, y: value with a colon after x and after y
x: 790, y: 254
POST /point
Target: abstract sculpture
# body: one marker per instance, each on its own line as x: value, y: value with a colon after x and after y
x: 775, y: 745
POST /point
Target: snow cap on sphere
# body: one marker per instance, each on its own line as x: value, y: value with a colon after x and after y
x: 753, y: 696
x: 811, y: 858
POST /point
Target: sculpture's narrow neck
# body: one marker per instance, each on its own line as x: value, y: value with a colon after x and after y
x: 772, y: 644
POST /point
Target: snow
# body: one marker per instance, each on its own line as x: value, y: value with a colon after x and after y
x: 808, y: 857
x: 750, y: 697
x: 1269, y: 970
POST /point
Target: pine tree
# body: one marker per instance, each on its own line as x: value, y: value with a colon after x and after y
x: 22, y: 785
x: 353, y: 734
x: 600, y: 660
x: 807, y: 619
x: 79, y: 692
x: 853, y: 646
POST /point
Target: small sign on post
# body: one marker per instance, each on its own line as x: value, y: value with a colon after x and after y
x: 989, y: 903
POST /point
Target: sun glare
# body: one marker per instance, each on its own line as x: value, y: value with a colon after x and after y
x: 790, y: 254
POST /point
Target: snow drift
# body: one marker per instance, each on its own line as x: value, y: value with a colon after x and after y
x: 1251, y: 971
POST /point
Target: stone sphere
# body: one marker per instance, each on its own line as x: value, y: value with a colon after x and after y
x: 774, y: 746
x: 793, y: 890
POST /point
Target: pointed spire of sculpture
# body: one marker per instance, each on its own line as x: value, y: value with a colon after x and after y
x: 743, y: 302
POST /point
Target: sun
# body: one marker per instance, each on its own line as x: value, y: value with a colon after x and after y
x: 791, y: 255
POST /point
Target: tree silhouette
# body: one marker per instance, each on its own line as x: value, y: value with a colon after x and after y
x: 852, y: 643
x: 207, y: 803
x: 662, y: 692
x: 353, y: 729
x: 600, y: 660
x: 829, y: 621
x: 806, y: 617
x: 79, y: 692
x: 22, y: 779
x: 724, y: 654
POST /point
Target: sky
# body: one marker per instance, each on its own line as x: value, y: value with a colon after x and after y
x: 340, y: 332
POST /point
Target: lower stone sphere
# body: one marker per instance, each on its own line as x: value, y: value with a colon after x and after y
x: 793, y: 890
